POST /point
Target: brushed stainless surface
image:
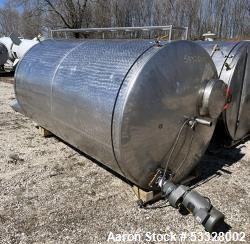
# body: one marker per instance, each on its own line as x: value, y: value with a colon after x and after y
x: 70, y: 88
x: 120, y: 101
x: 160, y: 91
x: 233, y: 66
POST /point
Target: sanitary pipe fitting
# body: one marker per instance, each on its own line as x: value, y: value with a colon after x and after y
x: 180, y: 196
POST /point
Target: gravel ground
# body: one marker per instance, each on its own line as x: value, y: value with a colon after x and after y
x: 49, y: 193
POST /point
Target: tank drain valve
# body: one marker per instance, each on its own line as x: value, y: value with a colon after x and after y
x: 183, y: 198
x: 195, y: 121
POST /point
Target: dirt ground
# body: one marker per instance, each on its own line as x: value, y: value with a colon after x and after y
x: 49, y: 193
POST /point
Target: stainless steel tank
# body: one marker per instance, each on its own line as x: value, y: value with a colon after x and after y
x: 233, y: 65
x: 124, y: 102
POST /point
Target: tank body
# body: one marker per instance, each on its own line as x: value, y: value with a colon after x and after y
x: 233, y: 65
x: 122, y: 102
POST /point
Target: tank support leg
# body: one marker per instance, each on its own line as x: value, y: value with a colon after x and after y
x: 146, y: 197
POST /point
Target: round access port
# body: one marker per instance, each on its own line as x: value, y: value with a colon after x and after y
x: 213, y: 99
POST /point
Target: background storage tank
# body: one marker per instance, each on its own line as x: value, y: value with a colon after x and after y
x: 233, y: 66
x: 12, y: 49
x: 134, y: 105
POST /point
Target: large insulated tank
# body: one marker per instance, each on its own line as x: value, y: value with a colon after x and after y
x: 12, y: 49
x: 129, y: 104
x: 233, y: 65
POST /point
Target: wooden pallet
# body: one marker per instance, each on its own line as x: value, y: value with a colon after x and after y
x: 146, y: 196
x: 43, y: 132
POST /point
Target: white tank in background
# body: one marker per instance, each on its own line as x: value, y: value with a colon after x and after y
x: 12, y: 49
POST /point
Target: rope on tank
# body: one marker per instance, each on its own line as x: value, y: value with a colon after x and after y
x: 188, y: 151
x: 192, y: 122
x: 172, y: 149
